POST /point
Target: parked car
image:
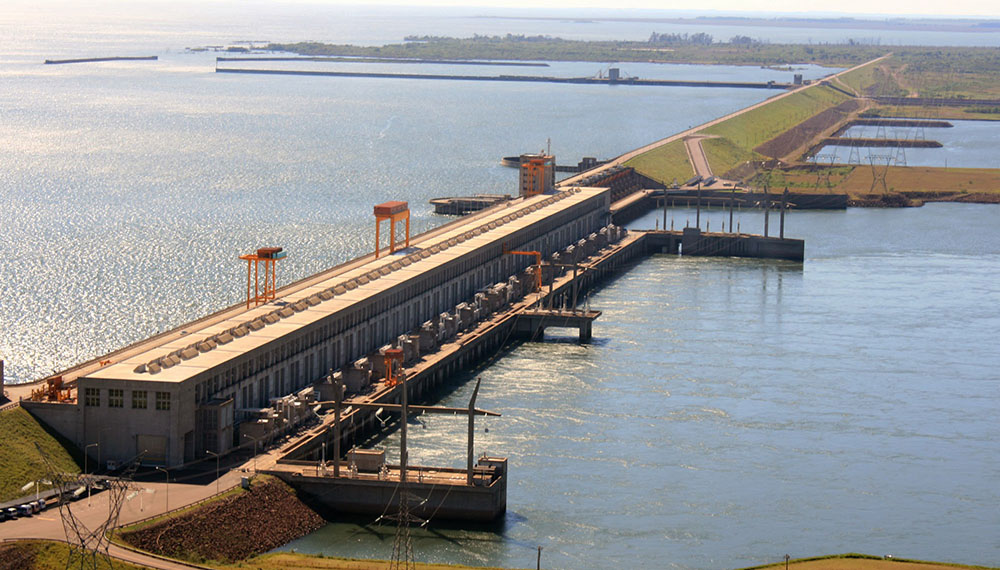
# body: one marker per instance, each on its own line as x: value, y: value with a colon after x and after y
x: 11, y: 513
x: 3, y: 515
x: 25, y: 510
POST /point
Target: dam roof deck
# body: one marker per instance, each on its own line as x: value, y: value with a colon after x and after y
x: 235, y: 333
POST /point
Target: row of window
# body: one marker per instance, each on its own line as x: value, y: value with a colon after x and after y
x: 116, y: 399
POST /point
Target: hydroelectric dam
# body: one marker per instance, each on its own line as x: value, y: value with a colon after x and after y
x: 326, y: 360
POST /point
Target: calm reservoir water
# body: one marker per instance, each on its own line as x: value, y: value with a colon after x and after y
x: 129, y: 189
x: 728, y: 411
x: 968, y: 144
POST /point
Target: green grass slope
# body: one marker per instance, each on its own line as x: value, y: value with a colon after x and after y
x: 20, y: 461
x: 664, y: 164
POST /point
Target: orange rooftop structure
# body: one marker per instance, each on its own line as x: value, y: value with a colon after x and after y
x: 393, y: 211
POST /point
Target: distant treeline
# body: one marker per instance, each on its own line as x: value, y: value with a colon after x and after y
x: 663, y: 48
x: 699, y: 39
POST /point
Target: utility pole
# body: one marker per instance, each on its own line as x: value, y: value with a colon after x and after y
x: 576, y: 285
x: 216, y: 469
x: 767, y: 209
x: 254, y: 451
x: 664, y: 209
x: 402, y: 434
x: 731, y: 199
x: 472, y: 433
x: 697, y: 216
x: 338, y: 399
x: 167, y: 493
x: 784, y: 201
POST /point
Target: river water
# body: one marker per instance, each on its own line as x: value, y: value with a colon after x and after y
x: 967, y: 144
x: 727, y: 412
x: 731, y: 411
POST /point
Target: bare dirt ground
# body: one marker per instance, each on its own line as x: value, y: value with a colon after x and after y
x: 790, y: 145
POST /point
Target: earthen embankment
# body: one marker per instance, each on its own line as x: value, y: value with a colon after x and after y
x: 264, y: 517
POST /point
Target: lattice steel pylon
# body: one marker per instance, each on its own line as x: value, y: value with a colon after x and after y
x: 879, y: 171
x: 854, y: 157
x: 88, y: 547
x: 402, y: 544
x: 824, y: 171
x: 900, y: 154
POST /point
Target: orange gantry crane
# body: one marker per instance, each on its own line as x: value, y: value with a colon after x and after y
x: 393, y: 211
x: 392, y: 376
x: 269, y: 256
x: 538, y: 264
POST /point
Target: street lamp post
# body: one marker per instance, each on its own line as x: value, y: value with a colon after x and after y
x: 167, y: 492
x: 254, y: 451
x: 99, y: 434
x: 85, y: 456
x: 216, y: 469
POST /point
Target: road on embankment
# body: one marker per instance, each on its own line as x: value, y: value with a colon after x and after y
x: 152, y: 500
x: 696, y: 154
x: 695, y: 130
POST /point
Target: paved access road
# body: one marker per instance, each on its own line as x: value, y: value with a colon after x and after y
x: 151, y: 501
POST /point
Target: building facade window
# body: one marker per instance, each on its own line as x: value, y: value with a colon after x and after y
x: 138, y: 399
x: 92, y: 397
x: 116, y: 398
x: 163, y: 401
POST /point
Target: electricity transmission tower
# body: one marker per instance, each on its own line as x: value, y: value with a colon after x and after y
x: 880, y: 170
x: 88, y: 547
x: 824, y: 170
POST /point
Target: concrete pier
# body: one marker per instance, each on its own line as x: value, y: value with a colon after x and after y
x: 440, y: 492
x: 100, y: 59
x: 532, y: 324
x: 694, y: 242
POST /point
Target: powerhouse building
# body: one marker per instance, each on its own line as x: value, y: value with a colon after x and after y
x: 183, y: 393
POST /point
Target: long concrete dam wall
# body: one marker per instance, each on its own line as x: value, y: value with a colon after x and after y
x: 518, y: 78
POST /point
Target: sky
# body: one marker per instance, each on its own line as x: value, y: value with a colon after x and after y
x: 635, y: 8
x: 936, y: 8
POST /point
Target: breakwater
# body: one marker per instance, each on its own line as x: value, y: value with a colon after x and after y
x: 518, y: 78
x: 343, y: 59
x: 937, y: 102
x: 874, y: 122
x: 99, y: 59
x: 584, y: 165
x: 879, y: 142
